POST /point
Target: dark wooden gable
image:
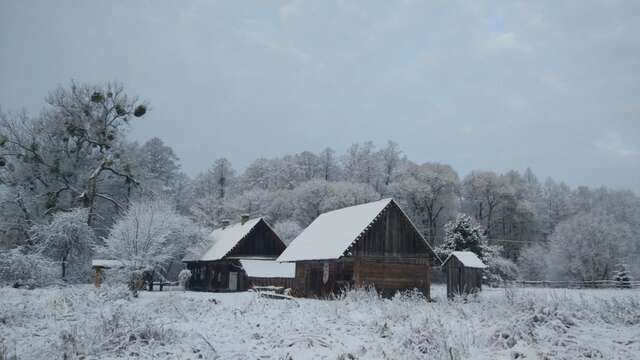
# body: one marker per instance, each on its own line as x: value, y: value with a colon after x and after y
x: 262, y: 241
x: 391, y: 235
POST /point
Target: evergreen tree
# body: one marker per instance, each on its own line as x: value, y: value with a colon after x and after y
x: 462, y: 234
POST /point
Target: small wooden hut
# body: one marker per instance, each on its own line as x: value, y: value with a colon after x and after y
x: 100, y: 265
x: 373, y: 244
x: 240, y: 256
x: 463, y: 270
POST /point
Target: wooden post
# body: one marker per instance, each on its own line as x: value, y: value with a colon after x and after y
x: 98, y: 279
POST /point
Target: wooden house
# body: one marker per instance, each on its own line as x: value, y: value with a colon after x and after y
x: 373, y: 244
x: 240, y: 256
x: 463, y: 271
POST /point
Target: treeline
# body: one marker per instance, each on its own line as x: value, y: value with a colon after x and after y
x: 75, y: 154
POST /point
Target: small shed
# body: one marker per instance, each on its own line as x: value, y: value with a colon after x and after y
x: 100, y: 265
x: 373, y: 244
x: 463, y: 270
x: 240, y: 256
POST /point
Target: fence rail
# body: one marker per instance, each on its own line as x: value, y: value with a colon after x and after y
x: 590, y: 284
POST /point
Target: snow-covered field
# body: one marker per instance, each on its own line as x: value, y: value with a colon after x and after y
x: 86, y: 323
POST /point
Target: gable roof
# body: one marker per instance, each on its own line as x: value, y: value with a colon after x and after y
x: 223, y: 240
x: 333, y: 232
x: 468, y: 259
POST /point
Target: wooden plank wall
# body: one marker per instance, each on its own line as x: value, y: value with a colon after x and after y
x: 262, y: 241
x: 287, y: 283
x: 389, y: 277
x: 391, y: 235
x: 461, y: 279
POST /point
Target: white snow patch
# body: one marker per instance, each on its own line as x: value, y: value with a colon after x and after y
x: 268, y: 269
x: 105, y: 323
x: 109, y: 264
x: 468, y: 259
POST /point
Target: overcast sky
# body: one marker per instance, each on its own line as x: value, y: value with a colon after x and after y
x: 478, y: 85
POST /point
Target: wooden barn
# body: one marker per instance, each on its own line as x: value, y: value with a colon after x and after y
x: 240, y: 256
x: 463, y: 271
x: 370, y: 244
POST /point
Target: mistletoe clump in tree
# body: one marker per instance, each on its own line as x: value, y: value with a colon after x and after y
x: 72, y: 154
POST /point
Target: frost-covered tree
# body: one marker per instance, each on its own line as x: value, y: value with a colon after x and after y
x: 391, y: 163
x: 484, y: 192
x: 587, y: 247
x: 427, y: 192
x: 533, y: 262
x: 158, y: 165
x: 465, y: 234
x: 287, y: 230
x: 183, y: 278
x: 361, y: 165
x: 20, y: 267
x: 315, y: 197
x: 462, y: 234
x: 555, y: 206
x: 329, y: 167
x: 67, y: 240
x: 309, y: 164
x: 71, y: 154
x: 218, y: 182
x: 149, y: 235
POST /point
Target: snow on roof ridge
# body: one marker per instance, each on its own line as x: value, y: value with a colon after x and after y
x: 332, y: 233
x: 224, y: 240
x: 468, y: 259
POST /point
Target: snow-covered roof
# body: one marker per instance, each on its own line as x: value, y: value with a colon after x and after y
x: 103, y: 263
x: 223, y: 240
x: 268, y: 269
x: 331, y: 233
x: 468, y: 259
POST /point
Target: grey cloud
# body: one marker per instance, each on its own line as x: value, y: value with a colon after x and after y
x: 480, y: 84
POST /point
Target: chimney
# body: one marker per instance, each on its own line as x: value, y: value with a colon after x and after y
x: 244, y: 218
x: 225, y: 223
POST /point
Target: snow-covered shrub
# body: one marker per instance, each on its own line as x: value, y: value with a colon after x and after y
x: 148, y: 236
x: 587, y: 247
x: 19, y: 268
x: 532, y: 262
x: 622, y: 277
x: 69, y: 241
x: 183, y: 278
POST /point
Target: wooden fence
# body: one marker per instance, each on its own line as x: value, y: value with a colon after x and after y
x: 589, y: 284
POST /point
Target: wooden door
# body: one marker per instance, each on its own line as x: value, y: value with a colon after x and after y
x: 233, y: 281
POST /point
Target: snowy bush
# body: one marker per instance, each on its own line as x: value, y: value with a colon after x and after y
x: 622, y: 277
x: 84, y: 322
x: 587, y: 247
x: 183, y: 278
x: 18, y: 268
x: 69, y: 241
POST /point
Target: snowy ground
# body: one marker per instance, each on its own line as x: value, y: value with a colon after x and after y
x: 83, y: 322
